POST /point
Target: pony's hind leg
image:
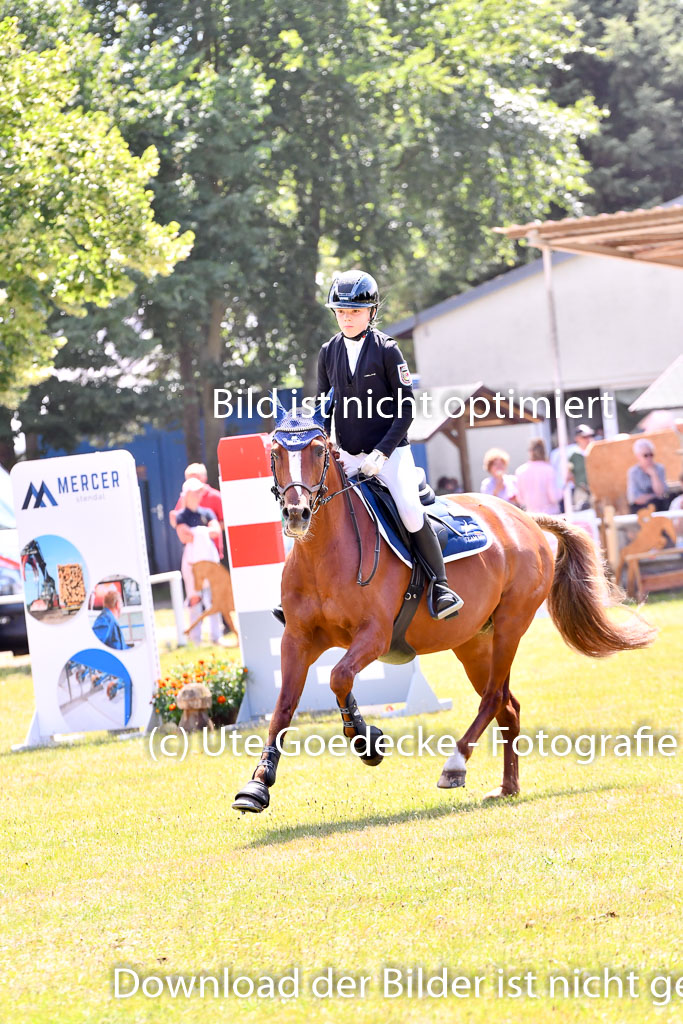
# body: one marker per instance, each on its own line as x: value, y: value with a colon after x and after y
x: 508, y: 720
x: 475, y: 658
x: 486, y: 658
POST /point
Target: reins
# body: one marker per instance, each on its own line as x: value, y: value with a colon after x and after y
x: 320, y: 497
x: 359, y: 578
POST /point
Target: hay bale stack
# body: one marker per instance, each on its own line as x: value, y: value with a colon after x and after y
x: 71, y: 585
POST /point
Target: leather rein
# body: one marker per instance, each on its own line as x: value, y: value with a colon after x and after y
x: 318, y: 496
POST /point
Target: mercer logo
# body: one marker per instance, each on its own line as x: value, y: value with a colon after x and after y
x: 38, y: 496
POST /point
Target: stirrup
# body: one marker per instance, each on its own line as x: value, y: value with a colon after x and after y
x: 443, y: 602
x: 279, y: 614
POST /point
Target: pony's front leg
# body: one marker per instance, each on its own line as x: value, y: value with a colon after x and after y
x: 365, y: 740
x: 297, y: 657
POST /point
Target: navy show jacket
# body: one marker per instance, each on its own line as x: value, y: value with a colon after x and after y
x: 381, y: 373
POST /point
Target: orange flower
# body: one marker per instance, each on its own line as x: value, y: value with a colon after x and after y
x: 221, y: 699
x: 172, y: 707
x: 162, y: 684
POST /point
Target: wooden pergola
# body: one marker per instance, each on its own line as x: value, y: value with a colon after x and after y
x: 651, y: 236
x: 430, y: 422
x: 646, y: 236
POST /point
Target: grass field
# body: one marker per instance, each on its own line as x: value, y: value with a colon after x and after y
x: 110, y: 858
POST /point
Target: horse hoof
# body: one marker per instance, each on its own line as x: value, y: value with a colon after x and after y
x: 254, y: 797
x: 373, y: 761
x: 499, y: 792
x: 452, y: 779
x: 374, y: 757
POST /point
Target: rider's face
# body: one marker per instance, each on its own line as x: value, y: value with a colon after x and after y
x: 353, y: 321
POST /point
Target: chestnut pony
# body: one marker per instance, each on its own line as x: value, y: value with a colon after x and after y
x: 502, y: 587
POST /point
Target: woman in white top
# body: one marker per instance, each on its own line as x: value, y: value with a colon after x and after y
x: 498, y: 482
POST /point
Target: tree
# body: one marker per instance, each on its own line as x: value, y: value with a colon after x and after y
x: 298, y: 138
x: 632, y: 62
x: 75, y: 213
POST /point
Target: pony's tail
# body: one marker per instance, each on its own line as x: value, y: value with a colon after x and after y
x: 578, y: 593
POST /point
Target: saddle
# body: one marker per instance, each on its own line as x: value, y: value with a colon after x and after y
x: 460, y: 534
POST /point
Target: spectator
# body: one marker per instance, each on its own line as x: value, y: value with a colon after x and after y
x: 556, y: 463
x: 448, y: 485
x: 209, y: 497
x: 198, y: 547
x: 106, y: 627
x: 646, y: 481
x: 499, y: 483
x: 195, y: 514
x: 536, y: 487
x: 577, y: 477
x: 677, y: 503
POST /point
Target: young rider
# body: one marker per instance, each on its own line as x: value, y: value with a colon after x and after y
x: 367, y: 367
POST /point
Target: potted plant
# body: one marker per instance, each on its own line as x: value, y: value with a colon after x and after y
x: 224, y: 679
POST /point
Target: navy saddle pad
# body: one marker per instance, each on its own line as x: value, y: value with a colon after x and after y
x: 460, y: 533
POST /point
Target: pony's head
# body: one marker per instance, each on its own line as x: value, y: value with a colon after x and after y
x: 300, y: 458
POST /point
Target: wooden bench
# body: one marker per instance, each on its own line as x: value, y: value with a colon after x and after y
x: 640, y: 583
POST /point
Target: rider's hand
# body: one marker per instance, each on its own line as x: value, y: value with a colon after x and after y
x: 373, y: 464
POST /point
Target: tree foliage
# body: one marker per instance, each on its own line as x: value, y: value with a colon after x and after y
x: 298, y: 138
x: 632, y: 63
x: 75, y: 213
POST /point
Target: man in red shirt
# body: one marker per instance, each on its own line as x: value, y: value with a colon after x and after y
x: 208, y: 497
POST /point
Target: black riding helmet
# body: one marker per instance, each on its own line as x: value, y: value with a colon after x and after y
x: 354, y: 289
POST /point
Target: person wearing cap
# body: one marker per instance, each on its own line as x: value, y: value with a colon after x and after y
x: 195, y: 514
x: 646, y: 481
x: 373, y: 407
x: 209, y: 497
x: 576, y: 475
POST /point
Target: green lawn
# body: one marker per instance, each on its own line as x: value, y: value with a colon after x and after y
x: 111, y: 858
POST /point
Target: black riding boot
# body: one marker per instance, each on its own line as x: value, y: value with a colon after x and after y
x: 279, y: 614
x: 442, y: 600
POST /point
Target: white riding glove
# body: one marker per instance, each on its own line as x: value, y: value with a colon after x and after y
x: 373, y: 464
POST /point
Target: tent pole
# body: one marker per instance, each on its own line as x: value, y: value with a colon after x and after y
x: 562, y: 437
x: 461, y: 434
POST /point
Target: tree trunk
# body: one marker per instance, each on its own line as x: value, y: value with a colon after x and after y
x: 310, y: 332
x: 210, y: 363
x: 32, y: 444
x: 7, y: 456
x: 191, y: 419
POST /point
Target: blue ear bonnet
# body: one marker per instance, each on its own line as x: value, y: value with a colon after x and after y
x: 295, y: 432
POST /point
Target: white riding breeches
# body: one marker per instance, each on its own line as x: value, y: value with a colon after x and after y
x: 400, y: 474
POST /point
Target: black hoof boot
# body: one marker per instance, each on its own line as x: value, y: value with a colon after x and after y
x: 254, y: 797
x: 279, y: 614
x: 364, y: 738
x: 371, y: 756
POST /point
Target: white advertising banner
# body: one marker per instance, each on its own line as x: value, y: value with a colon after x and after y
x: 89, y: 612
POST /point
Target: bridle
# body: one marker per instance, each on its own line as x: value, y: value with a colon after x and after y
x: 316, y: 493
x: 318, y: 496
